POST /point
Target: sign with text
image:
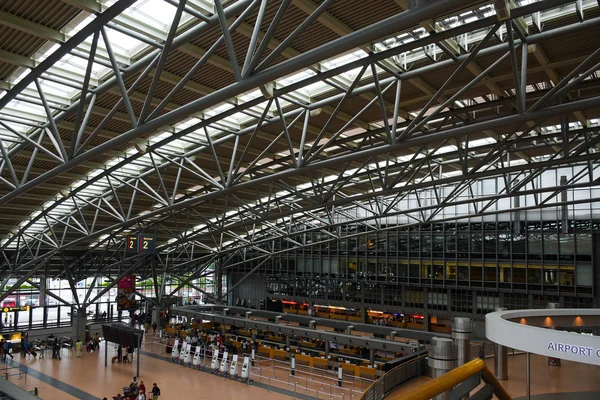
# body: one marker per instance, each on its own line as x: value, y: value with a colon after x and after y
x: 141, y: 243
x: 573, y: 349
x: 21, y: 308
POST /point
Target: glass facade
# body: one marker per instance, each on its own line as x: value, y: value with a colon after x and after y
x: 466, y: 267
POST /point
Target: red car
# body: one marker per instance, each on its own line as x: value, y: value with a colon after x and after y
x: 9, y: 303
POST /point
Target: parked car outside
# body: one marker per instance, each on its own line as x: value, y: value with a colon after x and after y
x: 30, y: 302
x: 9, y: 303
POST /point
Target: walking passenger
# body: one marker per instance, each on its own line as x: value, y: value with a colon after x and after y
x: 78, y: 347
x: 155, y: 392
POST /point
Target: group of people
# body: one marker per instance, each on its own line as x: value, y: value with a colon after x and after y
x: 137, y: 391
x: 144, y: 320
x: 120, y: 358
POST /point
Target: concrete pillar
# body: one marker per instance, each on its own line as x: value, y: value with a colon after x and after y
x: 156, y: 316
x: 326, y: 348
x: 564, y: 209
x: 79, y: 321
x: 555, y: 362
x: 426, y: 322
x: 363, y: 315
x: 442, y: 358
x: 372, y: 357
x: 462, y: 331
x: 42, y: 299
x: 500, y: 359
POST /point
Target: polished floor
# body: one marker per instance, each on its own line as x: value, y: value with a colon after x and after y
x: 86, y: 378
x: 88, y: 375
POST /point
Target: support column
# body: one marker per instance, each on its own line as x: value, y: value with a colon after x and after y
x: 555, y: 362
x: 564, y: 209
x: 219, y: 276
x: 79, y: 321
x: 442, y: 358
x: 462, y: 331
x: 372, y: 357
x: 500, y: 359
x: 363, y: 315
x: 327, y: 349
x: 426, y: 321
x: 42, y: 299
x: 156, y: 316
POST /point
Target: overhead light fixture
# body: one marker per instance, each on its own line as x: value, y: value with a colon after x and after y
x: 267, y: 90
x: 141, y: 148
x: 315, y: 112
x: 502, y: 8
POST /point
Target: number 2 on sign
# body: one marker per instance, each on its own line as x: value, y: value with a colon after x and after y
x: 145, y: 244
x: 131, y: 244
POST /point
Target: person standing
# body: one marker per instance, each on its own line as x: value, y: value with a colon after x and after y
x: 154, y: 326
x: 155, y: 392
x: 78, y: 347
x: 8, y: 348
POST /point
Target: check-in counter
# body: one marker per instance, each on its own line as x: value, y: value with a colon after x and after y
x: 440, y: 329
x: 265, y: 351
x: 321, y: 363
x: 280, y: 355
x: 348, y: 369
x: 277, y: 339
x: 302, y: 359
x: 366, y: 372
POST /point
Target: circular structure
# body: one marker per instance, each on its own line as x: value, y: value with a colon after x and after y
x: 526, y: 330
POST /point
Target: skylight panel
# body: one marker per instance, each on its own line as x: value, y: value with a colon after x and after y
x: 120, y: 42
x: 153, y: 12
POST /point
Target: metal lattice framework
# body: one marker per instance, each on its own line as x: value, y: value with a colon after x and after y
x: 243, y: 123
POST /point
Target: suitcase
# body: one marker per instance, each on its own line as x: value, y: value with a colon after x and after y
x: 33, y: 353
x: 114, y: 359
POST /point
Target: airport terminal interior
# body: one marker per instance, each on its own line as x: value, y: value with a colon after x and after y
x: 304, y: 199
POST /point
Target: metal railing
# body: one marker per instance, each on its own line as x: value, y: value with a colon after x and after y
x: 460, y: 381
x: 395, y: 377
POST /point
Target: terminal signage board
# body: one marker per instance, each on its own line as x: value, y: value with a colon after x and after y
x: 141, y: 243
x: 21, y: 308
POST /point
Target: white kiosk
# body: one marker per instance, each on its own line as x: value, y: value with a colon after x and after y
x: 196, y: 360
x: 233, y: 369
x: 246, y: 369
x: 188, y: 356
x: 224, y: 364
x: 175, y: 351
x: 214, y: 364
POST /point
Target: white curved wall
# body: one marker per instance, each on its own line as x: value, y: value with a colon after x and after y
x: 503, y: 327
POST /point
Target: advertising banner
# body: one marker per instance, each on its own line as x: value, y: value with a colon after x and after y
x: 126, y: 293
